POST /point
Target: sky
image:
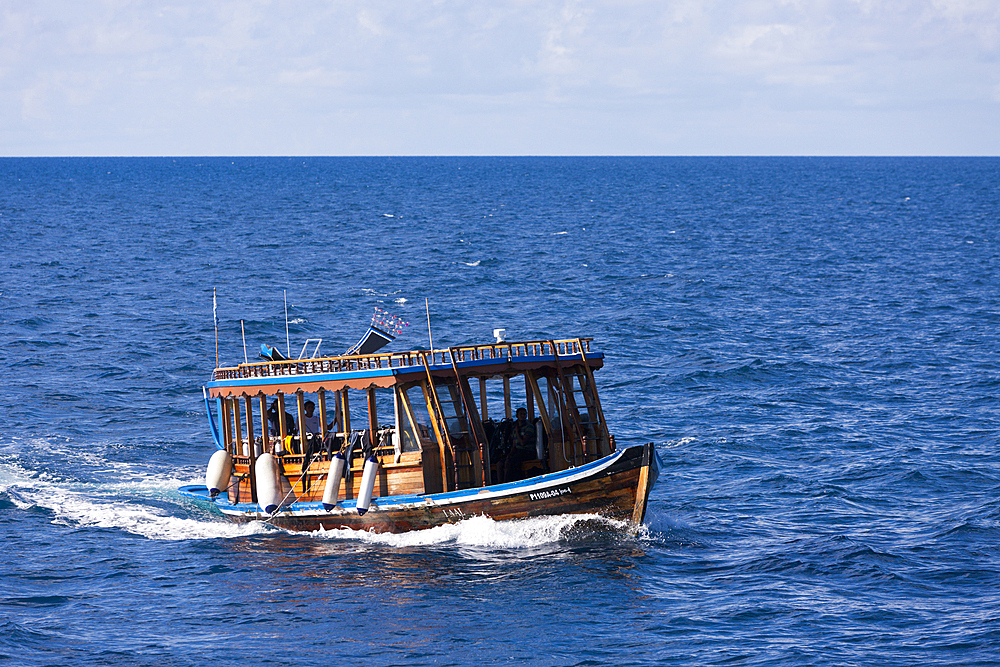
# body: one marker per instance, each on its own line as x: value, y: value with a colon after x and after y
x: 499, y: 77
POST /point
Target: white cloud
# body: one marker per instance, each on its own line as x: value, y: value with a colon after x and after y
x: 570, y: 76
x: 367, y: 21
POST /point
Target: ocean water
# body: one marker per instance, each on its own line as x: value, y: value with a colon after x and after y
x: 812, y: 343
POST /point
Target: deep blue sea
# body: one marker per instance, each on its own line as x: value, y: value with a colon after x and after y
x: 812, y: 343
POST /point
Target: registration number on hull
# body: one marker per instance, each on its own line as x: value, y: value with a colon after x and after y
x: 550, y: 493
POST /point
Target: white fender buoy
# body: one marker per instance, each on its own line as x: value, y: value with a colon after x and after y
x: 333, y: 477
x: 367, y: 484
x: 220, y: 467
x: 266, y: 476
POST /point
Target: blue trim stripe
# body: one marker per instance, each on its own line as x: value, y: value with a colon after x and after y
x: 416, y: 500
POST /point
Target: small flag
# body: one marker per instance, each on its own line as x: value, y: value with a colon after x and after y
x: 215, y: 309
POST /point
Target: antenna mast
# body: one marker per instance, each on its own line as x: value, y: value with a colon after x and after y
x: 429, y: 338
x: 288, y: 344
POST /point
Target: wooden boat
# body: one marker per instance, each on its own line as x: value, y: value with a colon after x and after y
x: 428, y: 451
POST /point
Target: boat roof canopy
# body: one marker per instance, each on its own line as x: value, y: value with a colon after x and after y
x: 365, y: 371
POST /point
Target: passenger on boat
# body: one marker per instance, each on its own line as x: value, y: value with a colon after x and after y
x: 523, y: 448
x: 310, y: 422
x: 273, y: 420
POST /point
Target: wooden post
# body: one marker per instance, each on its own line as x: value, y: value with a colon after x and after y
x: 487, y: 456
x: 265, y: 431
x: 372, y: 416
x: 346, y: 422
x: 482, y: 398
x: 225, y: 424
x: 395, y: 422
x: 506, y: 396
x: 554, y: 403
x: 442, y: 443
x: 252, y: 448
x: 322, y: 413
x: 337, y: 412
x: 234, y: 404
x: 528, y: 399
x: 597, y: 400
x: 283, y: 427
x: 301, y: 420
x: 249, y: 413
x: 303, y: 439
x: 238, y: 422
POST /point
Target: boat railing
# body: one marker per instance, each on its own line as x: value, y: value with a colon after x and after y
x: 389, y: 360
